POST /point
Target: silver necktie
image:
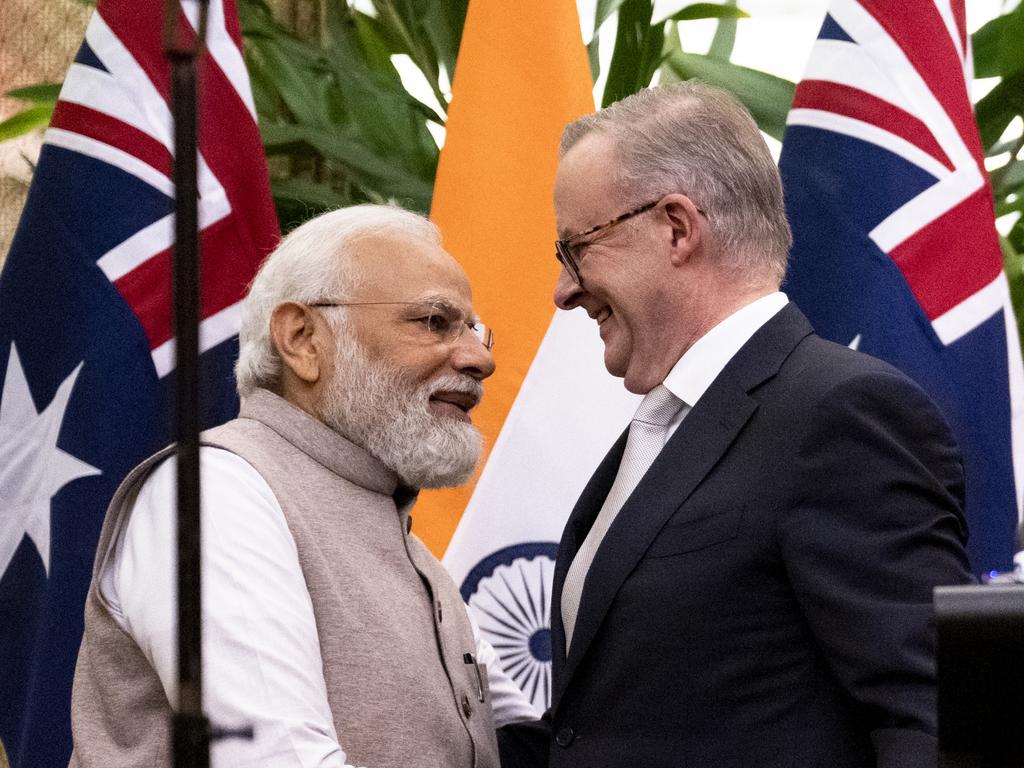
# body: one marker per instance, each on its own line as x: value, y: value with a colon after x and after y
x: 643, y: 444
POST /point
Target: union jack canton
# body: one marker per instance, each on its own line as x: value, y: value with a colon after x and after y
x: 896, y: 250
x: 86, y: 353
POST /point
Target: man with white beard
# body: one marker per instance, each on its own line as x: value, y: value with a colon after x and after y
x: 327, y: 625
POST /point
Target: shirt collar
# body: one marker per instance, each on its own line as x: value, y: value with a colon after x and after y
x: 700, y: 365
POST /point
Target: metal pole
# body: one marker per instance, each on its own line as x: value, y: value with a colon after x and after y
x: 191, y: 731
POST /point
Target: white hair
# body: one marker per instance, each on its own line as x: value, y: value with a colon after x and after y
x: 693, y: 138
x: 380, y: 407
x: 313, y: 263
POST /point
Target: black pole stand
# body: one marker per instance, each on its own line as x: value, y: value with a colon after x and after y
x: 191, y: 729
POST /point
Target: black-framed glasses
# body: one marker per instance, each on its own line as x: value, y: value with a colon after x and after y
x: 445, y: 322
x: 564, y: 247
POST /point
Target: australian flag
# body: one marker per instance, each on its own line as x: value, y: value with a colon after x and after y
x: 896, y: 251
x: 86, y: 353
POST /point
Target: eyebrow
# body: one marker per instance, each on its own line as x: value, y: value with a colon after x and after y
x: 445, y: 301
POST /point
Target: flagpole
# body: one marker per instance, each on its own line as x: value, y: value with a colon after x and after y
x: 191, y: 729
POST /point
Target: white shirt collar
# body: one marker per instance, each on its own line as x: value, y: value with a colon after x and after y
x: 700, y: 365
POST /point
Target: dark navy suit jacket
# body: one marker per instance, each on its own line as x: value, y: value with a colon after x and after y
x: 763, y: 599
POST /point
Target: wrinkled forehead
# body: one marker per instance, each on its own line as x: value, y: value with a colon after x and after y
x: 396, y: 267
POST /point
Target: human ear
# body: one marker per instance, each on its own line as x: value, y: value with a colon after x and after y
x: 294, y: 334
x: 686, y: 225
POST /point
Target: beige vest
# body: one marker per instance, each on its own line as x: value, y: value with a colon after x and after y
x: 394, y: 635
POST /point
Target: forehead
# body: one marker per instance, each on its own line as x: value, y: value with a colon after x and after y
x: 584, y: 184
x: 394, y: 267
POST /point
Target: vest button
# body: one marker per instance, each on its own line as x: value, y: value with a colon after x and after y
x: 440, y: 614
x: 467, y: 708
x: 564, y: 737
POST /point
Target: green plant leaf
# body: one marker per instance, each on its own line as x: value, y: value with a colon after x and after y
x: 1016, y: 235
x: 999, y: 106
x: 724, y: 41
x: 604, y: 9
x: 40, y: 93
x: 322, y: 196
x: 20, y: 123
x: 672, y: 45
x: 1008, y: 179
x: 443, y: 22
x: 1003, y: 146
x: 299, y: 77
x: 594, y: 58
x: 1013, y: 265
x: 360, y: 160
x: 767, y: 97
x: 1004, y: 207
x: 637, y: 51
x: 985, y: 46
x: 404, y: 17
x: 708, y: 11
x: 382, y: 114
x: 997, y: 45
x: 1011, y: 43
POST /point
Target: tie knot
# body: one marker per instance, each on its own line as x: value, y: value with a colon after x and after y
x: 658, y: 407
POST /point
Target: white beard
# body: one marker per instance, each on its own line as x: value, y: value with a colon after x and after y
x: 375, y: 406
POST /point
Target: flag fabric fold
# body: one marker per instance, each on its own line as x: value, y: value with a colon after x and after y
x: 895, y: 247
x: 86, y: 353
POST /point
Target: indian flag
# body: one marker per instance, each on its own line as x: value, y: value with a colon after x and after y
x: 551, y: 411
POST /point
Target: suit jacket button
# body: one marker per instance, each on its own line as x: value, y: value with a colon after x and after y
x: 564, y: 737
x: 467, y: 708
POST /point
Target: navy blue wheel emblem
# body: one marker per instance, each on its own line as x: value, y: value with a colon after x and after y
x: 510, y: 593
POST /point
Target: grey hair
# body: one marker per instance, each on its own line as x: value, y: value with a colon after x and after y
x: 313, y: 263
x: 693, y: 138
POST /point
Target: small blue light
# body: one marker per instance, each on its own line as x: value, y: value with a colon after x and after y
x: 993, y: 574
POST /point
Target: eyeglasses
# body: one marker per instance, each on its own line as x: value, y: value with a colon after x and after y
x: 564, y: 248
x: 446, y: 323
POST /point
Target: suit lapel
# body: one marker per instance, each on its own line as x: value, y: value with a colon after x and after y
x: 696, y: 447
x: 576, y: 529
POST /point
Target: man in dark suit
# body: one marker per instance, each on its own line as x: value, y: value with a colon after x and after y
x: 746, y: 580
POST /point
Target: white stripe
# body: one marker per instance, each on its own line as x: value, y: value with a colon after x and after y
x: 965, y: 317
x: 858, y: 129
x: 127, y: 94
x: 213, y: 200
x: 144, y: 107
x: 137, y: 249
x: 945, y: 10
x: 212, y: 331
x: 846, y: 63
x: 892, y: 62
x: 104, y: 93
x: 957, y: 322
x: 110, y: 155
x: 153, y: 239
x: 222, y: 47
x: 926, y: 207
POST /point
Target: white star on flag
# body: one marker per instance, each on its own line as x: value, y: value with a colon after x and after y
x: 32, y: 467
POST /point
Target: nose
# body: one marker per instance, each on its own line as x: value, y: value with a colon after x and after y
x: 567, y: 291
x: 471, y: 357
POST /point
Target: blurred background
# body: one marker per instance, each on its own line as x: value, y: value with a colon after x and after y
x: 353, y: 96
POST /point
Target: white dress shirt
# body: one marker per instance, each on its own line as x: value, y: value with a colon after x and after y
x: 261, y: 653
x: 700, y: 365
